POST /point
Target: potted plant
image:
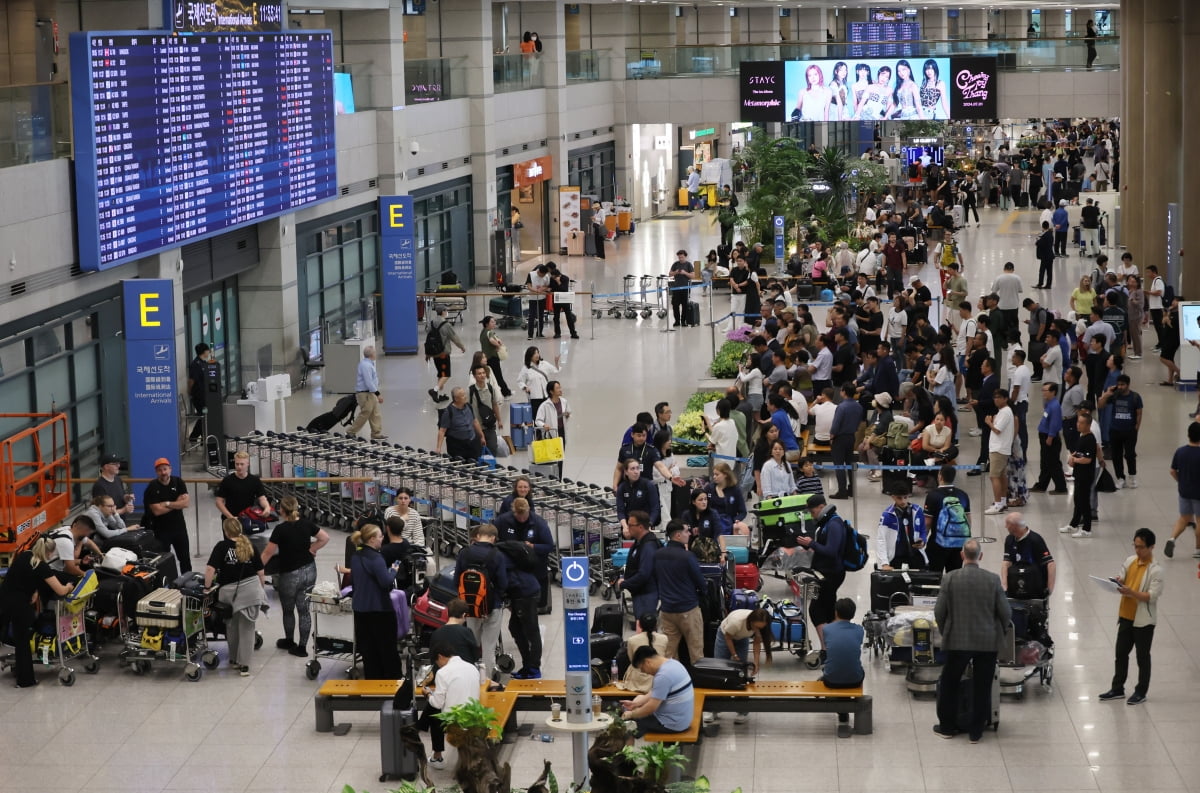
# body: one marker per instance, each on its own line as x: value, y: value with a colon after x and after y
x: 470, y: 728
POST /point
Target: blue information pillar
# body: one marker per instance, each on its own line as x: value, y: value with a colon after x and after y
x: 579, y: 655
x: 780, y: 255
x: 152, y: 377
x: 398, y: 262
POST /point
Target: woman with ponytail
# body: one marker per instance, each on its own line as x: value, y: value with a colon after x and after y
x: 238, y: 572
x: 374, y: 619
x: 296, y: 541
x: 28, y: 576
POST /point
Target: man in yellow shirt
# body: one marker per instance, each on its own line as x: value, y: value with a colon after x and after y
x: 1140, y: 585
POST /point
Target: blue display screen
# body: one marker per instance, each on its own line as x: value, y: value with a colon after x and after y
x: 179, y: 138
x: 579, y: 651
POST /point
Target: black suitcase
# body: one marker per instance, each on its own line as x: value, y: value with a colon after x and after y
x: 399, y: 742
x: 605, y: 647
x: 893, y: 481
x: 343, y: 410
x: 693, y: 314
x: 163, y: 569
x: 720, y: 673
x: 608, y: 619
x: 141, y: 541
x: 444, y: 588
x: 891, y: 588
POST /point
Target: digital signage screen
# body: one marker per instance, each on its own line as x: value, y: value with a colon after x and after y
x: 182, y: 137
x: 870, y: 89
x: 209, y: 16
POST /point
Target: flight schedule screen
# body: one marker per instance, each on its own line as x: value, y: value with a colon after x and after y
x: 182, y: 137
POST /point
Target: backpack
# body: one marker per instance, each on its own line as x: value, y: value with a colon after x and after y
x: 434, y: 345
x: 473, y: 587
x: 706, y: 550
x: 897, y: 436
x: 855, y: 549
x: 522, y: 556
x: 1168, y: 295
x: 953, y: 528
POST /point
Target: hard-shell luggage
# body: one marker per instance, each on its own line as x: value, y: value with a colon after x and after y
x: 343, y: 411
x: 553, y: 470
x: 519, y: 414
x: 399, y: 743
x: 785, y: 510
x: 720, y: 673
x: 605, y: 646
x: 162, y: 608
x: 894, y: 481
x: 1103, y: 236
x: 746, y: 576
x: 141, y: 541
x: 743, y: 599
x: 693, y: 314
x: 959, y: 216
x: 620, y: 557
x: 891, y: 588
x: 607, y: 618
x: 428, y: 612
x: 444, y: 587
x: 162, y: 569
x: 506, y: 306
x: 740, y: 554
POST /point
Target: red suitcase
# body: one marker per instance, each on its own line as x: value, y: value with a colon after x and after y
x: 746, y: 576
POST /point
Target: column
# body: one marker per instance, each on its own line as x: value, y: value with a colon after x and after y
x: 934, y: 26
x: 268, y: 304
x: 1164, y: 111
x: 1190, y: 222
x: 713, y: 25
x: 1133, y: 135
x: 809, y: 24
x: 376, y: 39
x: 548, y: 19
x: 973, y: 23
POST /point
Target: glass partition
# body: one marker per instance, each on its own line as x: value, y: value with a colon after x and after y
x: 35, y: 123
x: 1013, y: 55
x: 516, y: 72
x: 588, y: 66
x: 433, y: 79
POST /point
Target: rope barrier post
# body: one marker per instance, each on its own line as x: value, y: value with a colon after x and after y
x: 658, y: 296
x: 592, y: 305
x: 712, y: 328
x: 853, y: 481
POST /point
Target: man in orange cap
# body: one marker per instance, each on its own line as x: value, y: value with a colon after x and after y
x: 166, y: 498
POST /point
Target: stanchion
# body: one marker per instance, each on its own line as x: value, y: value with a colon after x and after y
x: 592, y: 308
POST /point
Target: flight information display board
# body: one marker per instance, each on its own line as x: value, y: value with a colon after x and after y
x: 182, y: 137
x: 881, y: 39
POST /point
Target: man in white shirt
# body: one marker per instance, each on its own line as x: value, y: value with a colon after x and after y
x: 1000, y: 441
x: 823, y: 411
x: 1019, y: 386
x: 821, y: 368
x: 457, y: 683
x: 1155, y: 287
x: 1007, y: 287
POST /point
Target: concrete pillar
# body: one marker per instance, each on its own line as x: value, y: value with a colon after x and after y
x: 713, y: 25
x: 1190, y: 222
x: 376, y: 38
x: 612, y: 33
x: 1163, y: 59
x: 1133, y: 118
x: 935, y: 26
x: 972, y: 23
x: 809, y: 24
x: 1054, y: 23
x: 471, y: 23
x: 268, y: 304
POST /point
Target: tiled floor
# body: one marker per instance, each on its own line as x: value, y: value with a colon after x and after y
x: 116, y: 731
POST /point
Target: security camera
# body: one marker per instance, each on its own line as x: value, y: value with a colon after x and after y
x: 414, y: 148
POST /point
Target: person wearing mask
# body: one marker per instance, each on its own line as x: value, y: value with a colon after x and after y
x: 680, y: 584
x: 973, y: 613
x: 28, y: 578
x: 826, y: 544
x: 296, y: 542
x: 369, y: 397
x: 1140, y: 585
x: 638, y: 578
x: 522, y: 525
x: 197, y: 392
x: 166, y: 498
x: 458, y: 428
x: 1050, y: 442
x: 846, y: 419
x: 455, y: 683
x: 482, y: 554
x: 900, y: 539
x: 238, y: 572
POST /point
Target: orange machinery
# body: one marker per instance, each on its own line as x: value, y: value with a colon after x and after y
x: 35, y: 474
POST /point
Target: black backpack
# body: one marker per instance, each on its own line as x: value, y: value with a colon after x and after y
x: 523, y: 557
x: 433, y: 340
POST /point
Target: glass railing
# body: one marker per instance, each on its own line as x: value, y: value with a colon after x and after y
x: 1063, y: 54
x: 433, y: 79
x: 359, y: 86
x: 588, y: 66
x: 35, y: 123
x: 516, y: 72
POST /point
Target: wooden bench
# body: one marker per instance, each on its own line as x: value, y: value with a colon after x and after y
x: 504, y: 703
x: 365, y: 695
x: 803, y: 696
x: 691, y: 734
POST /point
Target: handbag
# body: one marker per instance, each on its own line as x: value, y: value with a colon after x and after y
x: 916, y: 445
x: 502, y: 352
x: 547, y: 450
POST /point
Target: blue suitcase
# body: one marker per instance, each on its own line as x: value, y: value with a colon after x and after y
x: 519, y: 413
x: 620, y: 557
x: 739, y: 553
x: 521, y: 436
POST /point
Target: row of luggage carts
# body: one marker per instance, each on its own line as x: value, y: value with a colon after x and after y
x: 635, y: 298
x: 450, y: 494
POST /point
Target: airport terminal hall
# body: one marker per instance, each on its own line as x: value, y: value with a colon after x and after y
x: 626, y: 396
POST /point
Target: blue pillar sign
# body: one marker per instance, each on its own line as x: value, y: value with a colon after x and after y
x: 779, y: 237
x: 577, y: 639
x: 398, y: 266
x: 151, y: 374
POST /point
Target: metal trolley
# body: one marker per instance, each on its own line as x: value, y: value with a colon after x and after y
x: 182, y: 640
x: 61, y: 635
x: 329, y: 646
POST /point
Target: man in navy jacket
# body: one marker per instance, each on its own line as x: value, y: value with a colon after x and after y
x: 887, y: 378
x: 639, y: 578
x: 846, y: 418
x: 522, y: 525
x: 482, y: 553
x: 680, y: 584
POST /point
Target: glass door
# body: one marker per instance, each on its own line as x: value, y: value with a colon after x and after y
x: 212, y: 318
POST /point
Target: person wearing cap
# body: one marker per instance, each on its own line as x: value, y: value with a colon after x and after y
x: 826, y: 543
x: 166, y: 498
x: 877, y: 433
x: 196, y: 390
x: 494, y: 351
x: 1062, y: 224
x: 110, y: 484
x: 920, y: 299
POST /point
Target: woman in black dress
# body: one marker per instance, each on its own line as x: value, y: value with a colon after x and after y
x: 28, y: 581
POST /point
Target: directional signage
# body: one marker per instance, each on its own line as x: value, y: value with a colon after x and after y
x: 398, y: 266
x: 779, y: 235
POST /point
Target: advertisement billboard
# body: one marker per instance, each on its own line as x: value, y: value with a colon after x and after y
x: 869, y: 89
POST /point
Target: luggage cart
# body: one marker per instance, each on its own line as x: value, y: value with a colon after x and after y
x: 60, y: 636
x: 328, y: 646
x: 452, y: 301
x: 183, y: 640
x: 1028, y: 650
x: 627, y: 305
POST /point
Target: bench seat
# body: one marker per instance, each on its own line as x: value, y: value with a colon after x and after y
x: 364, y: 695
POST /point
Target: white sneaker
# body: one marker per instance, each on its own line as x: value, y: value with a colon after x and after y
x: 975, y: 432
x: 1135, y: 357
x: 709, y: 717
x: 1131, y: 482
x: 1080, y: 534
x: 1066, y: 529
x: 741, y: 718
x: 436, y: 762
x: 995, y: 509
x: 1196, y: 554
x: 1120, y: 484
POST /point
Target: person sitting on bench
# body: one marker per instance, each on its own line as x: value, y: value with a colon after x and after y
x: 670, y: 705
x: 843, y: 651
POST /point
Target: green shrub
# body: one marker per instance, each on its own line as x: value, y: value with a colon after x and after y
x: 701, y: 398
x: 728, y: 357
x: 689, y: 427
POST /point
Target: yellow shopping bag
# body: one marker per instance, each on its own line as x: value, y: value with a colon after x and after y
x: 547, y: 450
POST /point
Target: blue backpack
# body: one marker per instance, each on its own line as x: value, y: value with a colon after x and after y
x: 953, y: 528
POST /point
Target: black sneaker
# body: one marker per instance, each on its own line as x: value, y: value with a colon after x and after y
x: 433, y: 394
x: 284, y: 644
x: 1169, y: 550
x: 1135, y: 699
x: 1111, y: 694
x: 943, y: 733
x: 300, y: 651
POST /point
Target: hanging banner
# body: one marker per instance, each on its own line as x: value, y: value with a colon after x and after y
x: 398, y: 247
x: 151, y: 375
